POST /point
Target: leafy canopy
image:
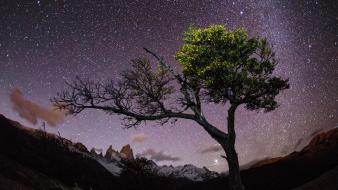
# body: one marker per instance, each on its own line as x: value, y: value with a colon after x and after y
x: 231, y: 66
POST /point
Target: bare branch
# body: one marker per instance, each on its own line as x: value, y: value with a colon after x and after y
x: 141, y: 95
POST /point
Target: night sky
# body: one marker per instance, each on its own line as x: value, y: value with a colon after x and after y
x: 45, y: 43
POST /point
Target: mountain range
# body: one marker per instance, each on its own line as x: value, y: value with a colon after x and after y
x: 32, y: 159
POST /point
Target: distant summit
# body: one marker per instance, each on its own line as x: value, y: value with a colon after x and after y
x: 127, y: 152
x: 112, y: 154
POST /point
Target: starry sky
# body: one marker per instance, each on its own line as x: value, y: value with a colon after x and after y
x: 45, y: 43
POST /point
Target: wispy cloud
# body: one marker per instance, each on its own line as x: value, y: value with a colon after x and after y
x: 211, y: 149
x: 139, y: 137
x: 158, y: 156
x: 32, y: 111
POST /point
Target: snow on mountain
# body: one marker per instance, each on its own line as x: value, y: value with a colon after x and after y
x: 188, y: 171
x: 112, y: 160
x: 114, y: 168
x: 115, y: 163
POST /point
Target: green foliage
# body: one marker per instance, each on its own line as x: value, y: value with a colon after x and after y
x: 230, y: 65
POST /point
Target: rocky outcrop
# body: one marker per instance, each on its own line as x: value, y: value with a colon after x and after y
x: 126, y: 152
x: 112, y: 154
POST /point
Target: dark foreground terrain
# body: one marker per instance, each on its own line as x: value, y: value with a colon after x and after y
x: 31, y: 159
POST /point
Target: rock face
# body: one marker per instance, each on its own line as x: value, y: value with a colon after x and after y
x: 127, y: 153
x: 111, y: 154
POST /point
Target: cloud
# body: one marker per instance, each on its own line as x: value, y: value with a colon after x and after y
x: 140, y: 137
x: 211, y: 149
x: 32, y: 111
x: 158, y: 156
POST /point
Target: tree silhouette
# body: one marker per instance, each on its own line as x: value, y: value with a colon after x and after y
x: 219, y: 66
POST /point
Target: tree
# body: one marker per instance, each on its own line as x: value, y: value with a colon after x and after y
x: 219, y: 66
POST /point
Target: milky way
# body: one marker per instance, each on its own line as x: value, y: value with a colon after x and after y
x: 43, y: 43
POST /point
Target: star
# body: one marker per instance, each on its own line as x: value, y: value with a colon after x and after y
x: 97, y: 39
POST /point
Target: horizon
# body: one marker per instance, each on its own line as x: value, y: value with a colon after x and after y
x: 43, y: 44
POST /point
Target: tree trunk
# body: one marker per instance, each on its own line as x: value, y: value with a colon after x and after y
x: 235, y: 181
x: 227, y: 141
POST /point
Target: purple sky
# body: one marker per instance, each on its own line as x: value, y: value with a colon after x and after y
x: 43, y: 43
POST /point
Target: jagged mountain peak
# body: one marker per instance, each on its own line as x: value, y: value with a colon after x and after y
x: 127, y: 152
